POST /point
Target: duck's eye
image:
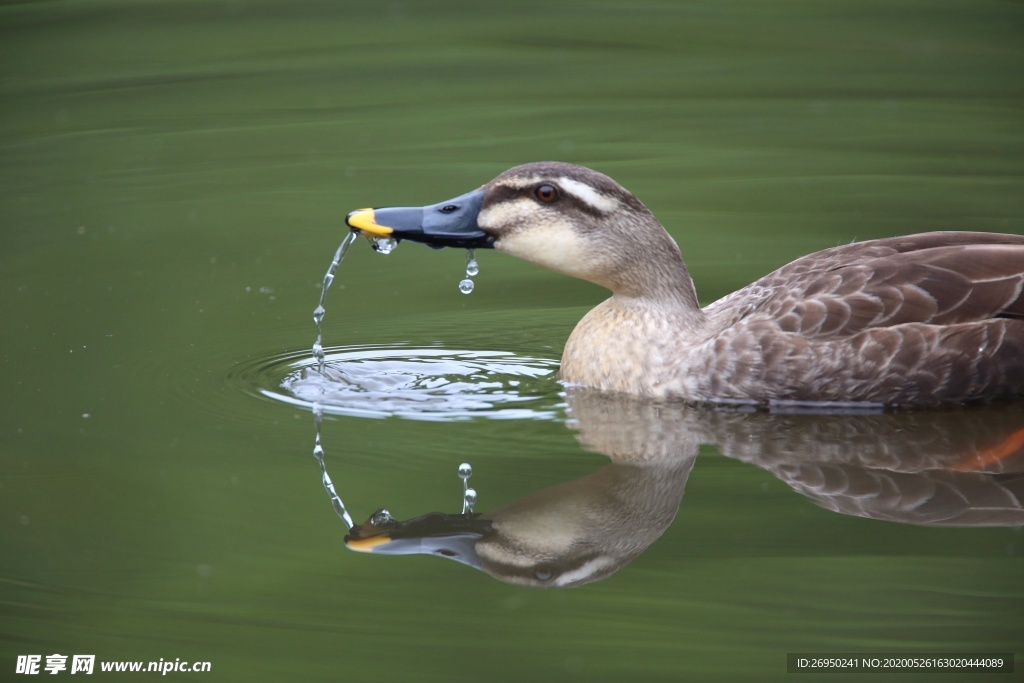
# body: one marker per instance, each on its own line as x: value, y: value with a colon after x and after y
x: 543, y: 573
x: 546, y: 193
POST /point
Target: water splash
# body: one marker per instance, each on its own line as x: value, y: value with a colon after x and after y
x: 472, y: 270
x: 320, y: 311
x: 318, y: 453
x: 468, y: 494
x: 436, y: 384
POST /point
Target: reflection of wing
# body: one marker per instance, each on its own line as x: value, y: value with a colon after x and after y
x: 957, y: 467
x: 978, y: 439
x: 938, y: 498
x: 948, y: 468
x: 926, y: 318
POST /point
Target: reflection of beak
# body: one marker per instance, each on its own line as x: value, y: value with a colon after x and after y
x: 451, y: 536
x: 448, y: 224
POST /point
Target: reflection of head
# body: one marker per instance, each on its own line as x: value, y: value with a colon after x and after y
x: 566, y: 535
x: 450, y: 536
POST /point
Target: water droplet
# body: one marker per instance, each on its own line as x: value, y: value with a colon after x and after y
x: 472, y: 269
x: 465, y: 471
x: 470, y: 500
x: 318, y: 314
x: 381, y: 518
x: 384, y: 245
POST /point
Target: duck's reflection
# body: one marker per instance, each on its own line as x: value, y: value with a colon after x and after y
x: 941, y: 468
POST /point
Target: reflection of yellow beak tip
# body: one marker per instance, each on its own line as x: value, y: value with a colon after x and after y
x: 366, y: 545
x: 363, y: 220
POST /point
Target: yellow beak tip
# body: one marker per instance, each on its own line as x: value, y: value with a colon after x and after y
x: 364, y: 221
x: 366, y: 545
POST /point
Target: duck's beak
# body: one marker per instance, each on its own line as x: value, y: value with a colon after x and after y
x: 451, y: 536
x: 447, y: 224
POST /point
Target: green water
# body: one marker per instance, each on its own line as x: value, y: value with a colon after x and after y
x: 175, y: 177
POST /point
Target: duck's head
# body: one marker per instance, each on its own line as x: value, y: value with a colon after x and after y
x: 564, y: 217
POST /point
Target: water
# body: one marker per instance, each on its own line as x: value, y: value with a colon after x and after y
x: 320, y: 311
x: 432, y: 384
x: 472, y: 270
x: 472, y: 267
x: 381, y: 518
x: 318, y: 453
x: 468, y: 494
x: 161, y: 215
x: 384, y: 245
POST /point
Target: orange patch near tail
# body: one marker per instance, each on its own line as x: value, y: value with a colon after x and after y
x: 993, y: 454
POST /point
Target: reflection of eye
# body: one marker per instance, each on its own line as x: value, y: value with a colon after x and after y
x: 546, y: 193
x: 543, y: 573
x: 449, y: 208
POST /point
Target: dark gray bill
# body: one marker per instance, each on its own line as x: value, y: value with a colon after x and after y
x: 447, y: 224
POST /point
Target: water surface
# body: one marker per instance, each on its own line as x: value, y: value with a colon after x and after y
x: 175, y: 178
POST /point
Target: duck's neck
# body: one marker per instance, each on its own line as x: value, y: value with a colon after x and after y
x: 626, y: 343
x: 661, y: 282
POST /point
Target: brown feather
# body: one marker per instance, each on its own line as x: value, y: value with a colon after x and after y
x: 915, y: 320
x: 922, y: 319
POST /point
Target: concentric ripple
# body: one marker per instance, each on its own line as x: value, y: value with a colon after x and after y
x: 435, y: 384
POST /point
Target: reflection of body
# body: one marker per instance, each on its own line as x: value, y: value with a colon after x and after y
x: 962, y: 467
x: 927, y: 319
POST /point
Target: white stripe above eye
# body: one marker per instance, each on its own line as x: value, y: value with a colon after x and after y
x: 584, y: 571
x: 588, y: 195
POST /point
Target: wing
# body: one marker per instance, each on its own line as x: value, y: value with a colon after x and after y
x: 917, y: 320
x: 940, y: 278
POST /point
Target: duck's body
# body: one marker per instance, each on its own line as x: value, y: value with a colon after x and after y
x: 925, y: 319
x: 918, y: 320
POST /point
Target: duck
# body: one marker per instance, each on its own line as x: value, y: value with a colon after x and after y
x: 920, y: 320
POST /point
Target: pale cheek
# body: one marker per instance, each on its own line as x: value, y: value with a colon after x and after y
x: 547, y: 242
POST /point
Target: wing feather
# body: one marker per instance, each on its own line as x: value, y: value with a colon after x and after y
x: 933, y: 278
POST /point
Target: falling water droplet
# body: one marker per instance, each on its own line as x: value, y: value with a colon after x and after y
x: 318, y: 314
x: 465, y: 471
x: 469, y: 500
x: 472, y: 270
x: 384, y: 245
